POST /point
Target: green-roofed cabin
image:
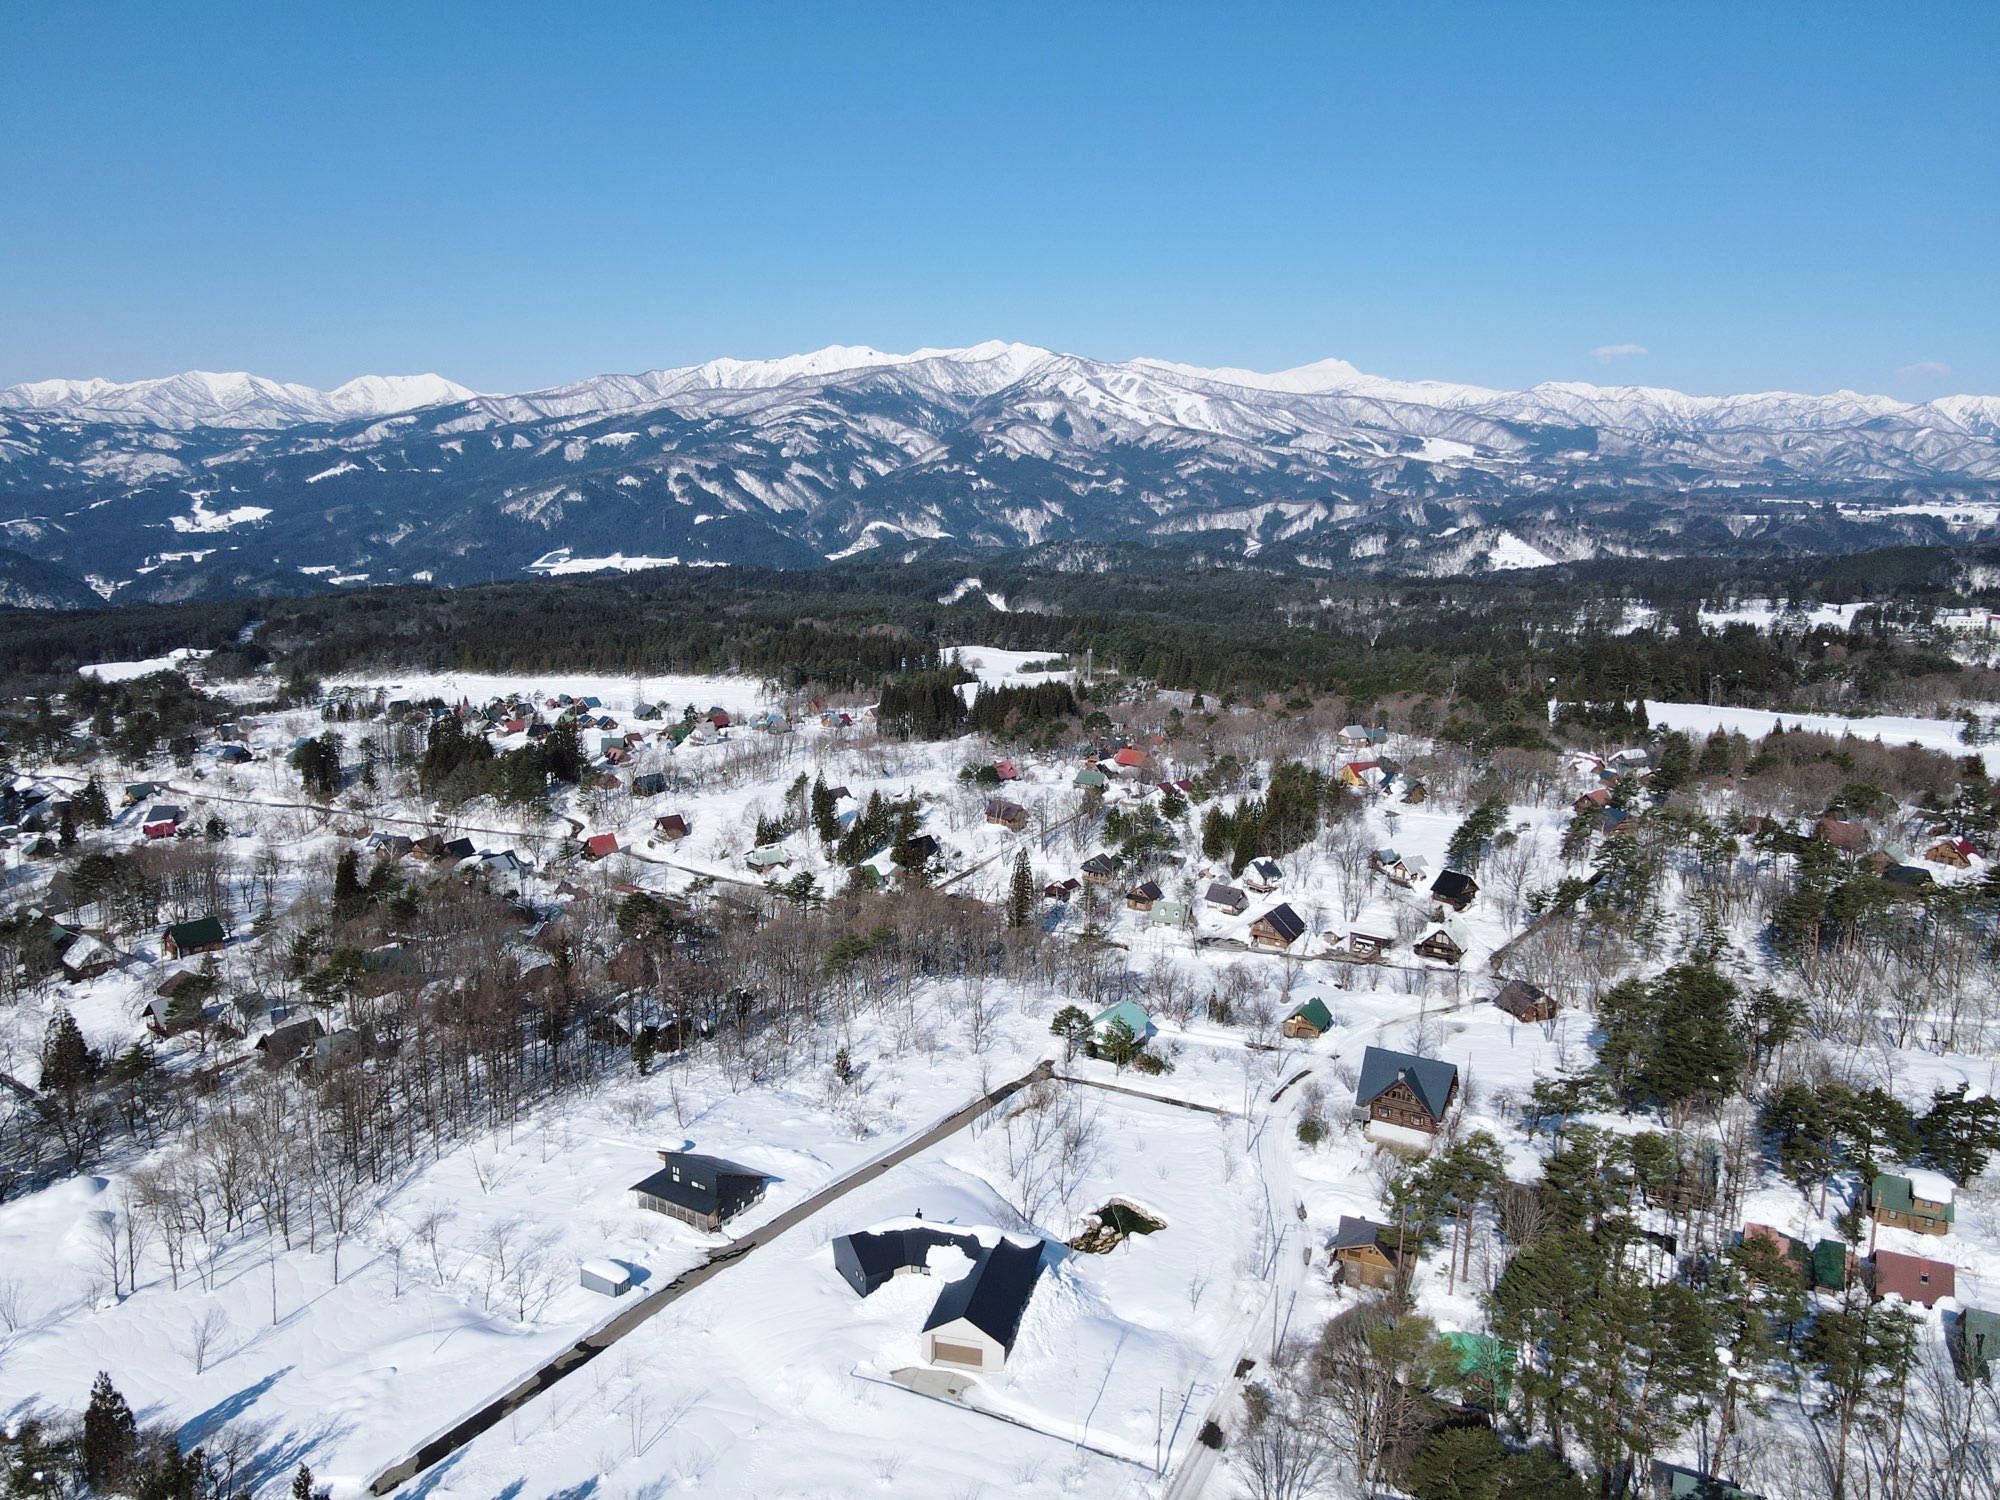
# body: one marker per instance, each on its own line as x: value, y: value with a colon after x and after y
x: 1092, y: 779
x: 1484, y: 1363
x: 1828, y: 1266
x: 1309, y: 1022
x: 1975, y: 1343
x: 1914, y: 1200
x: 202, y: 935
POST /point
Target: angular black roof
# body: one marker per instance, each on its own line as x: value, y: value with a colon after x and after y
x: 1225, y: 895
x: 1452, y: 883
x: 1428, y: 1078
x: 889, y: 1250
x: 1353, y: 1233
x: 994, y: 1294
x: 1284, y: 921
x: 706, y: 1184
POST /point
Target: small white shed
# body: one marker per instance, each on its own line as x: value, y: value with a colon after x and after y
x: 605, y: 1277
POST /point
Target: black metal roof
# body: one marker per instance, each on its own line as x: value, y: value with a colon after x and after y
x: 1283, y: 921
x: 880, y: 1251
x: 1453, y: 883
x: 706, y: 1184
x: 994, y: 1294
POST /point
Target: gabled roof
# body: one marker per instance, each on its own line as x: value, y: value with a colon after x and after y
x: 1284, y: 921
x: 1315, y: 1014
x: 600, y: 845
x: 1100, y: 864
x: 1914, y: 1278
x: 1898, y: 1192
x: 1453, y: 883
x: 1132, y: 1015
x: 1429, y: 1079
x: 994, y: 1294
x: 197, y: 934
x: 1168, y: 913
x: 164, y: 812
x: 1145, y: 890
x: 705, y: 1184
x: 1225, y: 895
x: 1363, y: 1234
x: 1517, y: 995
x: 1266, y: 869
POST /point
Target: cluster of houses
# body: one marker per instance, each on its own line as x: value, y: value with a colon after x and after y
x: 1922, y: 1202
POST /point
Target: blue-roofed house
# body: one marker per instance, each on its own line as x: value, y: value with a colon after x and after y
x: 1132, y: 1015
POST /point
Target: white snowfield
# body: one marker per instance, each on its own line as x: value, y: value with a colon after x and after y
x: 1945, y: 735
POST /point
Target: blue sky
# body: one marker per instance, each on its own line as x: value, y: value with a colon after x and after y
x: 1757, y: 196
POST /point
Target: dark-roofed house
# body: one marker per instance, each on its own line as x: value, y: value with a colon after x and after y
x: 673, y: 827
x: 1142, y: 896
x: 1004, y: 814
x: 1446, y: 941
x: 1849, y: 838
x: 202, y: 935
x: 1526, y: 1002
x: 162, y: 821
x: 866, y: 1261
x: 1400, y: 1089
x: 1263, y: 874
x: 705, y: 1191
x: 1455, y: 889
x: 289, y: 1042
x: 649, y: 784
x: 1278, y: 928
x: 1227, y: 898
x: 1914, y: 1278
x: 1367, y: 1253
x: 1309, y: 1021
x: 977, y: 1316
x: 1098, y: 869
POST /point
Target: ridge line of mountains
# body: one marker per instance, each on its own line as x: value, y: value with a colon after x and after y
x: 203, y: 486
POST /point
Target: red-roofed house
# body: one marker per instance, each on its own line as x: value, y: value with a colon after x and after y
x: 1004, y: 769
x: 1914, y: 1278
x: 600, y: 845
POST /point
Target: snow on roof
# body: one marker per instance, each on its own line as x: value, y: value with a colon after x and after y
x: 606, y: 1270
x: 1934, y: 1187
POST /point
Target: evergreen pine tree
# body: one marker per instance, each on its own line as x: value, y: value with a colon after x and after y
x: 68, y: 1063
x: 350, y: 897
x: 109, y: 1435
x: 1021, y: 892
x: 825, y: 819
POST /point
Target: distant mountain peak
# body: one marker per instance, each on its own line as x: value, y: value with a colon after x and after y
x: 234, y: 398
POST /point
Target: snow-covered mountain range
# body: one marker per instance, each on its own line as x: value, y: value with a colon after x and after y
x: 228, y: 483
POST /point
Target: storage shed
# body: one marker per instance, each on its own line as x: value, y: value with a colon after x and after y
x: 605, y: 1277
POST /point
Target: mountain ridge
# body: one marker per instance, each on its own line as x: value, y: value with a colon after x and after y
x: 205, y: 485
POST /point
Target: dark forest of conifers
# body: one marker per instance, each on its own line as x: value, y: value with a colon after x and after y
x: 1178, y: 624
